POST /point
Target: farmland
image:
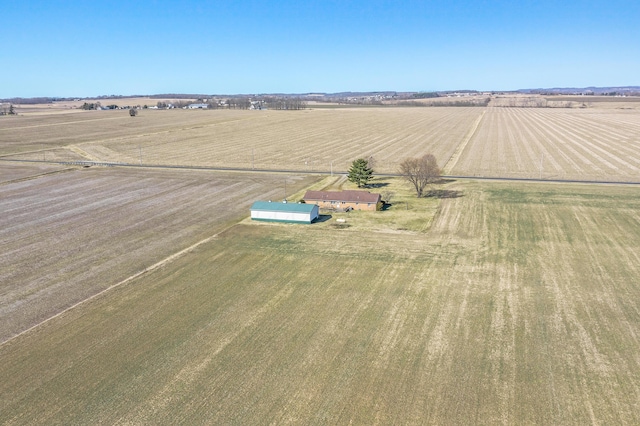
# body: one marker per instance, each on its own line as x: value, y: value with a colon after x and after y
x: 295, y: 140
x: 518, y: 305
x: 131, y: 295
x: 582, y: 144
x: 67, y: 236
x: 549, y: 143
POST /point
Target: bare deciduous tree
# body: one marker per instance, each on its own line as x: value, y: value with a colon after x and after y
x: 420, y: 172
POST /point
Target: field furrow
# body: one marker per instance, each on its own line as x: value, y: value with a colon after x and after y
x: 67, y: 236
x: 553, y: 143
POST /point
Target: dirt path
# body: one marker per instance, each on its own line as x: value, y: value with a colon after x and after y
x: 21, y: 179
x: 83, y: 153
x: 458, y: 152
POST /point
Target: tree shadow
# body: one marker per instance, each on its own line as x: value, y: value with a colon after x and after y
x: 443, y: 193
x: 342, y: 225
x: 443, y: 181
x: 377, y: 185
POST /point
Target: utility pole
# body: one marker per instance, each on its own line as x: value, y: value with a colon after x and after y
x: 285, y: 190
x: 252, y: 159
x: 331, y: 168
x: 541, y: 158
x: 140, y: 154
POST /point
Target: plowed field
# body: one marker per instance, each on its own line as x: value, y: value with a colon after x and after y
x: 293, y: 140
x: 67, y: 236
x: 552, y: 143
x: 583, y: 144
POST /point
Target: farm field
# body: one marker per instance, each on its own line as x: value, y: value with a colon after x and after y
x: 308, y: 140
x: 518, y: 304
x: 579, y: 144
x: 594, y: 143
x: 67, y: 236
x: 14, y: 171
x: 42, y: 132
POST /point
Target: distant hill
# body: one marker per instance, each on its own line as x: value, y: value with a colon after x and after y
x: 603, y: 91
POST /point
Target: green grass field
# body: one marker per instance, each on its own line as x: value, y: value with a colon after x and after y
x: 513, y: 304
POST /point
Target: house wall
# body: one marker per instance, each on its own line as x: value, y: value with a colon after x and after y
x: 344, y: 205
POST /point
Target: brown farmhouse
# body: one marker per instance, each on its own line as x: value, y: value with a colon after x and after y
x: 343, y: 200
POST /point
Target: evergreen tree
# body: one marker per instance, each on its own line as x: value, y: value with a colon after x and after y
x: 360, y: 173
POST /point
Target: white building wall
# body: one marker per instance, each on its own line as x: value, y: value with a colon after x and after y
x: 288, y: 216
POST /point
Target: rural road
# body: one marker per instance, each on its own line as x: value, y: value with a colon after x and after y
x: 303, y: 172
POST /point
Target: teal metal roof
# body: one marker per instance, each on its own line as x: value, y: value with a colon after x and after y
x: 282, y: 207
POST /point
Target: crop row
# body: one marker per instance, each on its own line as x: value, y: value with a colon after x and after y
x: 571, y: 144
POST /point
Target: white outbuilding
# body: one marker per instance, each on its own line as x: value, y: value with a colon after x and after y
x: 198, y: 106
x: 284, y: 212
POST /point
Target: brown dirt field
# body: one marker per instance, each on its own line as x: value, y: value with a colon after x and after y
x: 298, y: 140
x: 582, y: 144
x: 16, y: 171
x: 601, y: 102
x: 553, y: 143
x: 68, y: 236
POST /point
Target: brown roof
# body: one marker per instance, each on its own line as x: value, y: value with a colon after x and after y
x: 346, y: 196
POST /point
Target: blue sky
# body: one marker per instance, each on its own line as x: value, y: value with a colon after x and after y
x: 91, y: 48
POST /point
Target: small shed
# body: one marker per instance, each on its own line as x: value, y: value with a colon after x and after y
x: 284, y: 212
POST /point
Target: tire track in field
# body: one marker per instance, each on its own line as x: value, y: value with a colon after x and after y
x: 138, y: 274
x: 22, y: 179
x: 458, y: 152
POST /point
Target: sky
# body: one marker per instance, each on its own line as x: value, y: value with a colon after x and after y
x: 55, y: 48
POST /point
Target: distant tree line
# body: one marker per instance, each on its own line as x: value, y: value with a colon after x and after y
x: 284, y: 103
x: 90, y: 106
x: 7, y: 109
x: 448, y: 103
x: 534, y: 102
x: 358, y: 101
x: 31, y: 101
x: 232, y: 103
x: 179, y: 96
x: 181, y: 103
x: 265, y: 102
x: 425, y: 95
